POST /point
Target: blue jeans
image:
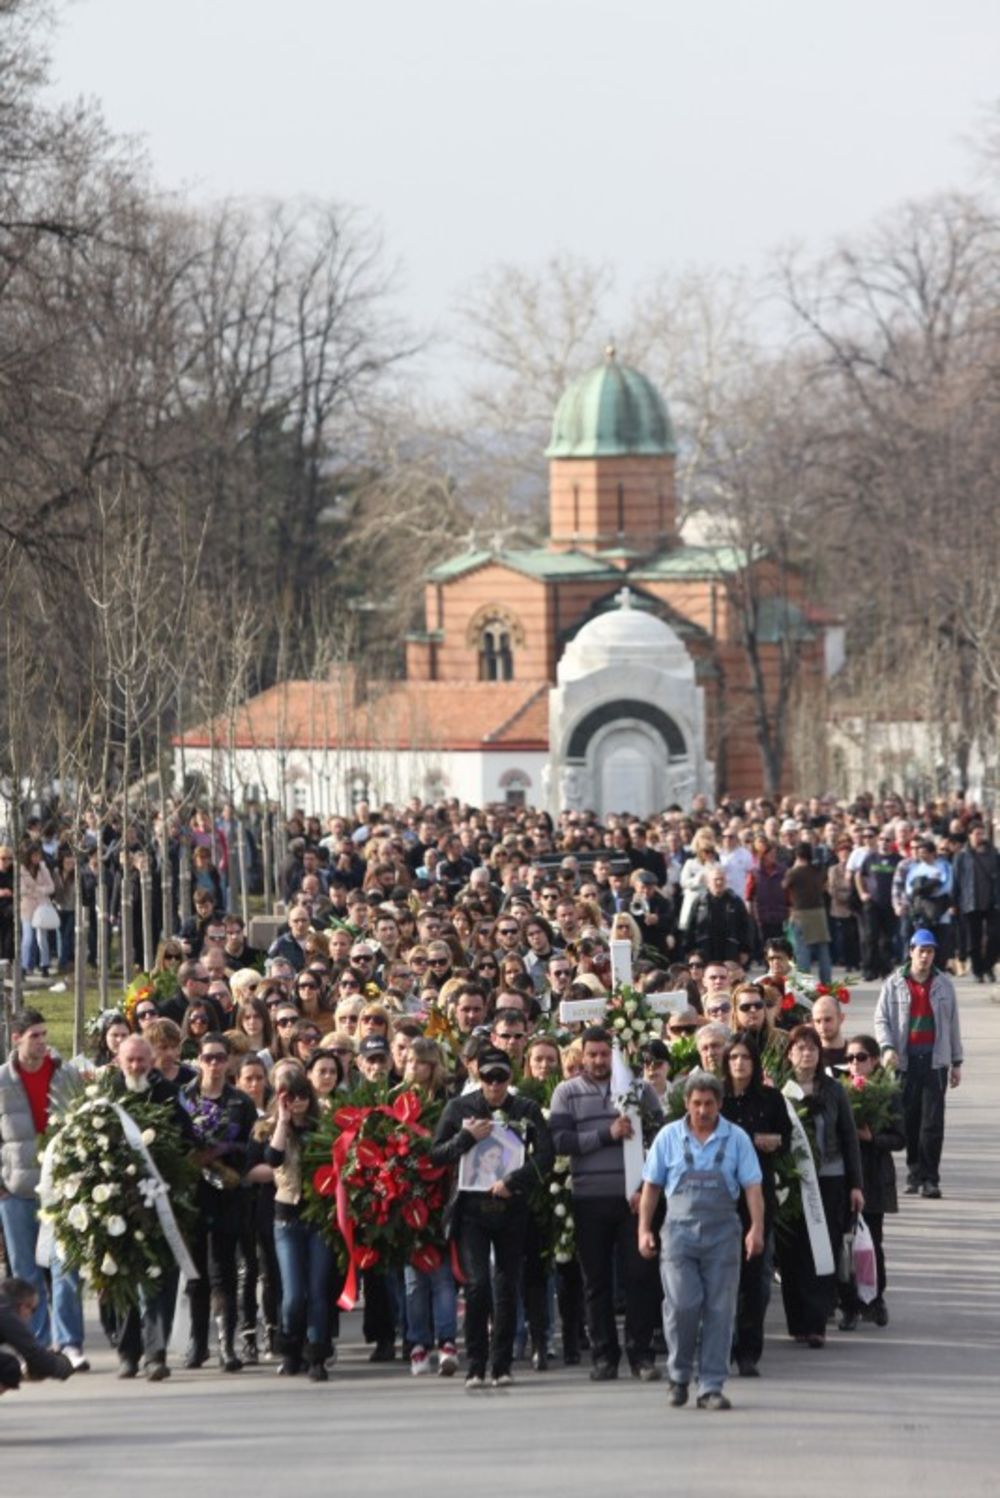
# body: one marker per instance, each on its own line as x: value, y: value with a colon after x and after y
x: 701, y: 1280
x: 29, y: 936
x: 431, y: 1305
x: 19, y: 1215
x: 806, y: 953
x: 67, y: 935
x: 305, y: 1260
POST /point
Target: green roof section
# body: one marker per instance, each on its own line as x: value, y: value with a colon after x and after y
x: 696, y: 561
x: 612, y: 411
x: 537, y: 562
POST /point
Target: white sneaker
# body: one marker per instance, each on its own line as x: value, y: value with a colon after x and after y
x: 419, y: 1361
x: 77, y: 1360
x: 57, y: 988
x: 447, y: 1359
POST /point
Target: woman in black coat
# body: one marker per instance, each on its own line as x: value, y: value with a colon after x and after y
x: 761, y: 1112
x: 809, y: 1297
x: 877, y: 1166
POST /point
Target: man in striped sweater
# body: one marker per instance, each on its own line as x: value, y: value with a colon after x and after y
x: 588, y: 1126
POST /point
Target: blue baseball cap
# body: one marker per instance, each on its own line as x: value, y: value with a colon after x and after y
x: 923, y: 938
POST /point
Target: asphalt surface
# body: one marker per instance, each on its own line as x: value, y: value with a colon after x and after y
x: 910, y: 1409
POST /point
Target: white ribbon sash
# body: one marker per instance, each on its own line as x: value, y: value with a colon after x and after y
x: 622, y: 1083
x: 812, y: 1202
x: 161, y: 1196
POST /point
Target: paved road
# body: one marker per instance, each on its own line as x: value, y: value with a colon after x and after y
x: 911, y: 1409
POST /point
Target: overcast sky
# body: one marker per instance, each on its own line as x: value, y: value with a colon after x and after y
x: 650, y: 133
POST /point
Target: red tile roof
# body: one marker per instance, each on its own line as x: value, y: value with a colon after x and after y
x: 395, y: 715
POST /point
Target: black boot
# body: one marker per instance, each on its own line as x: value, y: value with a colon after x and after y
x: 196, y: 1356
x: 248, y: 1348
x: 228, y: 1361
x: 289, y: 1350
x: 316, y: 1355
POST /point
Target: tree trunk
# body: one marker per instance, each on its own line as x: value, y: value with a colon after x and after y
x: 267, y: 858
x: 146, y: 897
x: 79, y: 954
x: 185, y: 879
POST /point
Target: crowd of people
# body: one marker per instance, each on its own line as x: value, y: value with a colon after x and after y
x: 431, y: 948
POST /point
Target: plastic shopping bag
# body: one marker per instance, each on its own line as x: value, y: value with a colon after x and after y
x: 865, y: 1268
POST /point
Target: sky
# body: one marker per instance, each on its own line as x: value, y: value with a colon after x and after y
x: 647, y: 133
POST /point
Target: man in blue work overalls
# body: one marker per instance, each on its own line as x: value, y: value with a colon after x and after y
x: 702, y: 1162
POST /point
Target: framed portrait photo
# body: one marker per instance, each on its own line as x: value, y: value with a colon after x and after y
x: 491, y: 1160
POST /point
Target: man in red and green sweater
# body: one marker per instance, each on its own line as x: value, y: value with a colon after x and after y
x: 916, y: 1024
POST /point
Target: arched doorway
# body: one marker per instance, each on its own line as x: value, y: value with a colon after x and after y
x: 625, y: 773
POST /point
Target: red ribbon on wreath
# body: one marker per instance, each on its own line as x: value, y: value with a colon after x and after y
x: 328, y: 1180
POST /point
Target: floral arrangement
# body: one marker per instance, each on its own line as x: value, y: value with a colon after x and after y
x: 683, y: 1056
x: 214, y: 1131
x: 100, y: 1197
x: 562, y: 1238
x: 373, y: 1190
x: 632, y: 1023
x: 875, y: 1101
x: 155, y: 986
x: 801, y: 992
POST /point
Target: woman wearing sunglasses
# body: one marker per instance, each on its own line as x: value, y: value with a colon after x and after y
x: 304, y: 1256
x: 286, y: 1017
x: 877, y: 1165
x: 197, y: 1022
x: 750, y: 1015
x: 310, y: 990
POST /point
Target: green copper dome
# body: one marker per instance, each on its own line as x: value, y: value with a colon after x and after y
x: 609, y: 412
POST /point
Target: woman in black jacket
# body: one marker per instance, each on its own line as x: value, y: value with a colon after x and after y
x: 762, y: 1113
x: 877, y: 1165
x: 809, y: 1297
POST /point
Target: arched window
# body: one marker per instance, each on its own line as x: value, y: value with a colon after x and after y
x: 496, y: 658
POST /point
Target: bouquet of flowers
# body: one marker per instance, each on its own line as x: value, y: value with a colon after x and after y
x: 371, y: 1187
x: 561, y: 1240
x: 875, y: 1101
x: 683, y: 1056
x: 214, y: 1130
x: 788, y: 1164
x: 632, y: 1023
x: 801, y: 992
x: 104, y: 1204
x: 155, y: 986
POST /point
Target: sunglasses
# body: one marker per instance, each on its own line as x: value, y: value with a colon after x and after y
x: 301, y: 986
x: 508, y: 930
x: 749, y: 1008
x: 214, y: 1058
x: 272, y: 1003
x: 719, y: 1009
x: 682, y: 1029
x: 146, y: 1013
x: 440, y: 962
x: 362, y: 957
x: 349, y: 986
x: 289, y: 1019
x: 493, y: 1077
x: 418, y: 962
x: 311, y: 1038
x: 854, y: 1056
x: 696, y: 967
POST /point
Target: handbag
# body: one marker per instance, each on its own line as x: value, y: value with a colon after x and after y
x: 865, y: 1266
x: 46, y: 917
